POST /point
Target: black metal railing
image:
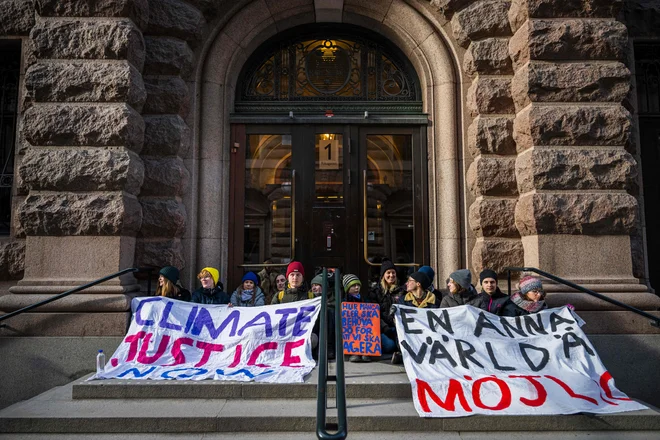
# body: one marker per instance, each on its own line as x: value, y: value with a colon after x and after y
x: 79, y: 288
x: 322, y: 425
x: 655, y: 321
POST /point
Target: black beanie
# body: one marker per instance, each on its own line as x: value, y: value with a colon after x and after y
x: 386, y: 265
x: 422, y: 279
x: 487, y: 273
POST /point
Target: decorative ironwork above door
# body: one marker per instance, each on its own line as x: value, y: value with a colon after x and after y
x: 327, y: 68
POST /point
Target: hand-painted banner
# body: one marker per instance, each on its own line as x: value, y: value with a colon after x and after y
x: 463, y: 361
x: 360, y: 325
x: 170, y: 339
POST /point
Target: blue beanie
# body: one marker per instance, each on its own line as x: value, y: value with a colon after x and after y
x: 251, y: 276
x: 428, y: 271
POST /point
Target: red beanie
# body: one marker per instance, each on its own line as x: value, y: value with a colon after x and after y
x: 295, y: 266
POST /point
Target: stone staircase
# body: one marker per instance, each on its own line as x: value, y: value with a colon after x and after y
x: 379, y: 407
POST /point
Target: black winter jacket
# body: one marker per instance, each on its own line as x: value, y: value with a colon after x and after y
x: 496, y: 303
x: 467, y: 297
x: 210, y: 296
x: 385, y: 300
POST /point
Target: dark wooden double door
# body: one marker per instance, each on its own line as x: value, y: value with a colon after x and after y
x: 333, y: 195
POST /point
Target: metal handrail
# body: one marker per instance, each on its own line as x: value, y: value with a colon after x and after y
x: 79, y: 288
x: 655, y: 321
x: 322, y: 426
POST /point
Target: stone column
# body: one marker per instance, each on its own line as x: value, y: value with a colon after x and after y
x: 81, y: 168
x: 573, y: 134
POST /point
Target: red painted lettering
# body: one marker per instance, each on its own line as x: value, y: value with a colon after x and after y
x: 455, y: 390
x: 289, y: 359
x: 208, y: 348
x: 133, y: 340
x: 179, y: 357
x: 237, y: 356
x: 605, y: 385
x: 541, y: 393
x: 505, y: 393
x: 570, y: 392
x: 257, y: 352
x: 143, y: 358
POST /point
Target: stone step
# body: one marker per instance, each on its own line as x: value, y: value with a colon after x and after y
x: 56, y: 412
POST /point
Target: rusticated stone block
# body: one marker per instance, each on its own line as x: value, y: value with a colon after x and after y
x: 540, y: 124
x: 570, y: 82
x: 167, y: 56
x: 482, y: 19
x: 17, y: 17
x: 577, y: 214
x: 82, y: 169
x: 165, y: 176
x: 490, y: 95
x: 151, y: 252
x: 553, y: 169
x: 137, y: 10
x: 162, y: 218
x: 491, y: 135
x: 166, y: 95
x: 165, y: 135
x: 496, y: 254
x: 489, y: 56
x: 91, y: 81
x: 493, y: 217
x: 114, y: 125
x: 98, y: 213
x: 570, y: 39
x: 175, y: 18
x: 492, y: 176
x: 642, y: 17
x: 12, y: 260
x: 208, y: 7
x: 521, y: 10
x: 98, y: 39
x: 448, y: 7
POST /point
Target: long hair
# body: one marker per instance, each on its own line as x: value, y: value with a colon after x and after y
x: 168, y: 289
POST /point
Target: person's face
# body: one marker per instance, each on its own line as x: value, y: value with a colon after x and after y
x: 161, y: 280
x: 489, y: 285
x: 248, y: 285
x: 453, y: 286
x: 207, y: 282
x: 411, y: 285
x: 535, y: 295
x: 295, y: 279
x: 317, y: 289
x: 281, y: 282
x: 390, y: 276
x: 354, y: 289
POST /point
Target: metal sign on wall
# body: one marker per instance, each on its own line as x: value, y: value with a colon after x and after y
x: 328, y: 154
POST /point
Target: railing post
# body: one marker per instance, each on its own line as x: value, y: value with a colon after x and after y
x: 509, y: 280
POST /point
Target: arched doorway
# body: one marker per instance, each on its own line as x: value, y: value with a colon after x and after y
x: 329, y: 159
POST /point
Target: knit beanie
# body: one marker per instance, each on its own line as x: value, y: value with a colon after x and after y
x: 463, y: 277
x: 171, y: 273
x: 251, y: 276
x: 295, y: 266
x: 529, y: 283
x: 422, y: 279
x: 350, y: 280
x: 318, y: 279
x: 487, y: 273
x: 428, y: 271
x: 386, y: 265
x: 215, y: 274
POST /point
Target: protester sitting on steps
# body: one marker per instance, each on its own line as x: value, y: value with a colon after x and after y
x: 429, y: 272
x: 210, y: 292
x: 530, y: 298
x: 385, y: 294
x: 267, y: 281
x: 169, y: 285
x: 280, y: 282
x: 248, y: 294
x: 461, y: 291
x: 352, y: 287
x: 493, y: 300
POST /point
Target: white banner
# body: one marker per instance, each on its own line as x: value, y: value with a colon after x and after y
x: 463, y: 361
x: 170, y: 339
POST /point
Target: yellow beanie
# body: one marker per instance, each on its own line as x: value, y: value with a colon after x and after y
x: 214, y: 273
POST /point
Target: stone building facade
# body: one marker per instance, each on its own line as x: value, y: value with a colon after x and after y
x: 122, y: 155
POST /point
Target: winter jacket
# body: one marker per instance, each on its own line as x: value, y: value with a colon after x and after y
x: 258, y: 298
x: 466, y: 297
x: 268, y: 284
x: 495, y: 304
x: 290, y: 295
x: 430, y: 301
x: 385, y: 300
x: 210, y: 296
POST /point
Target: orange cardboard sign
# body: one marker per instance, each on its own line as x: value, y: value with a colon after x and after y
x: 360, y: 326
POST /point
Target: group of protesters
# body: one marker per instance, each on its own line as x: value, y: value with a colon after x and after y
x: 270, y: 287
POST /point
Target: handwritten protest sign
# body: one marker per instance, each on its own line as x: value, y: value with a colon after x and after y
x: 464, y: 361
x: 170, y: 339
x: 360, y: 325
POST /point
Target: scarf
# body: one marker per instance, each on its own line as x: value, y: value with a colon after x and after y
x: 246, y: 295
x: 525, y: 304
x: 350, y: 295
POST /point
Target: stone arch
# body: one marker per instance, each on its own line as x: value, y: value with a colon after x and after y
x: 242, y: 30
